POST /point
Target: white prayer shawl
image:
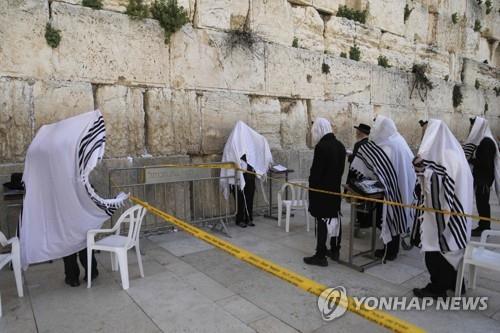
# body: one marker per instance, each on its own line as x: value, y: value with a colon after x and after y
x: 387, y: 158
x: 320, y: 128
x: 243, y: 140
x: 446, y: 183
x: 60, y: 205
x: 479, y: 131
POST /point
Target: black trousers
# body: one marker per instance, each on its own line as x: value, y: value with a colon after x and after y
x: 71, y: 269
x: 443, y: 274
x: 245, y: 200
x: 321, y: 236
x: 483, y: 204
x: 393, y: 245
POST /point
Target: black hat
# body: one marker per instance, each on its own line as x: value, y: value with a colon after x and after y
x: 472, y: 120
x: 363, y: 128
x: 16, y: 182
x: 423, y: 123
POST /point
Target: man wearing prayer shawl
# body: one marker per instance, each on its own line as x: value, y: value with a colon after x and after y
x: 326, y: 174
x: 250, y: 151
x: 481, y: 151
x: 444, y: 183
x: 60, y: 204
x: 387, y: 158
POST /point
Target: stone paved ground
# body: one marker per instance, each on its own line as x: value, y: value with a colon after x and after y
x: 192, y: 287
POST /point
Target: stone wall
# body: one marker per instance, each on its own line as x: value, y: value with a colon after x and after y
x: 183, y: 98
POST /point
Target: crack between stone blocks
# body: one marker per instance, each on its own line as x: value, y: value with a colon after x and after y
x: 32, y: 110
x: 145, y: 107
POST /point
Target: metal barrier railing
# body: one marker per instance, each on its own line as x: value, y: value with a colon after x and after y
x: 192, y: 194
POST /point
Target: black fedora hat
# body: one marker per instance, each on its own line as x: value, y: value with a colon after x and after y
x: 16, y: 182
x: 363, y: 128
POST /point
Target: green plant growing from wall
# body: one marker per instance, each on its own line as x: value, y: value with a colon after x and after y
x: 295, y: 42
x: 243, y: 39
x: 96, y: 4
x: 421, y: 82
x: 446, y: 77
x: 352, y: 14
x: 457, y: 96
x: 325, y: 68
x: 454, y: 18
x: 137, y: 9
x: 355, y: 53
x: 477, y: 25
x: 52, y: 36
x: 171, y: 16
x: 489, y: 6
x: 486, y: 107
x: 497, y: 91
x: 407, y: 12
x: 383, y: 61
x: 343, y: 55
x: 479, y: 2
x: 476, y: 84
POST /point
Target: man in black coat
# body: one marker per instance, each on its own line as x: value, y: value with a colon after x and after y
x: 326, y: 174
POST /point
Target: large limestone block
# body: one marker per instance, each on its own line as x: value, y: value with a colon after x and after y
x: 272, y: 20
x: 398, y: 50
x: 15, y: 119
x: 362, y: 113
x: 328, y: 6
x: 202, y: 58
x: 387, y: 15
x: 172, y: 122
x: 103, y: 46
x: 488, y: 77
x: 491, y: 25
x: 54, y: 100
x: 23, y: 49
x: 440, y: 98
x: 340, y: 116
x: 473, y: 101
x: 301, y: 2
x: 219, y: 113
x: 293, y: 72
x: 123, y: 111
x: 308, y: 28
x: 265, y: 118
x: 294, y: 124
x: 470, y: 44
x: 449, y: 36
x: 368, y: 41
x: 390, y: 87
x: 221, y: 14
x: 438, y: 60
x: 416, y: 27
x: 493, y: 101
x: 348, y: 80
x: 339, y: 35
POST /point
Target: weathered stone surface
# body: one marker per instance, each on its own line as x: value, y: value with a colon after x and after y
x: 54, y: 101
x: 172, y: 122
x: 399, y: 51
x: 23, y: 49
x: 219, y: 113
x: 308, y: 28
x: 487, y: 76
x: 493, y: 102
x: 440, y: 98
x: 338, y: 113
x: 301, y: 2
x: 294, y: 121
x: 293, y: 72
x: 470, y: 43
x: 210, y: 59
x: 15, y: 119
x: 138, y: 54
x: 123, y: 112
x: 368, y: 41
x: 221, y: 14
x: 328, y: 6
x: 265, y: 118
x: 449, y: 36
x: 272, y: 20
x: 416, y: 27
x: 348, y: 80
x: 473, y: 101
x: 390, y: 87
x: 387, y: 15
x: 339, y: 35
x: 438, y: 60
x: 362, y: 113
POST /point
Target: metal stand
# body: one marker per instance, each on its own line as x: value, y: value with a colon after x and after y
x: 269, y: 214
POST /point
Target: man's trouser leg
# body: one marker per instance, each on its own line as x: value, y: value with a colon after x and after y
x: 483, y: 204
x: 321, y: 236
x: 83, y: 260
x: 71, y: 269
x: 443, y: 274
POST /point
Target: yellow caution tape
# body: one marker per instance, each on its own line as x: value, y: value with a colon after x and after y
x: 376, y: 316
x: 230, y: 165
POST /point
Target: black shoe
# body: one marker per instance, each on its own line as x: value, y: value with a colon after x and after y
x: 251, y: 224
x: 72, y: 283
x: 334, y: 254
x: 477, y: 232
x: 316, y: 261
x: 427, y: 292
x: 92, y: 278
x: 389, y: 256
x: 241, y: 224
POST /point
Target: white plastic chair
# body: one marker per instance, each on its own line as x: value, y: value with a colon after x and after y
x: 117, y: 244
x: 298, y: 201
x: 477, y: 255
x: 15, y: 257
